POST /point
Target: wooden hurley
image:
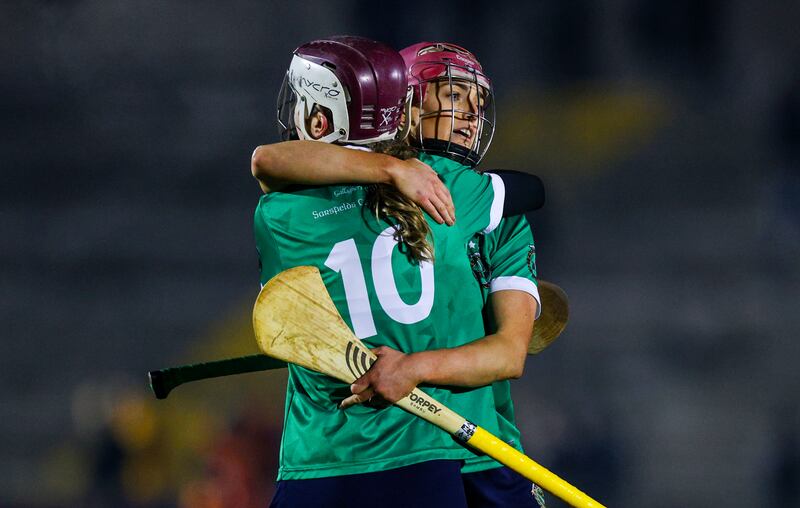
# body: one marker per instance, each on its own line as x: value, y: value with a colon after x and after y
x: 553, y: 319
x: 551, y: 322
x: 295, y: 321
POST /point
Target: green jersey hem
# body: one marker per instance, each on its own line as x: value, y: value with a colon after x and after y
x: 475, y: 466
x: 371, y: 466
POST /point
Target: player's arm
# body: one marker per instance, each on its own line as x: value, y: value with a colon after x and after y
x: 278, y: 165
x: 524, y: 192
x: 485, y: 199
x: 495, y: 357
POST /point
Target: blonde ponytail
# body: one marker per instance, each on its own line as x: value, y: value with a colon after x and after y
x: 387, y: 203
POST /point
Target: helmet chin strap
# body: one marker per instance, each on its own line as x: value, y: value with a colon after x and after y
x: 450, y: 150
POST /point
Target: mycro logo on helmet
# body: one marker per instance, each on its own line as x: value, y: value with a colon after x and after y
x: 422, y: 403
x: 330, y: 93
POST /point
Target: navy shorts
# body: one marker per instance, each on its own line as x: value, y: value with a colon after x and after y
x: 498, y: 487
x: 432, y: 484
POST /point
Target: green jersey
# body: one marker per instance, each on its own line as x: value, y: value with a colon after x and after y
x: 386, y: 300
x: 508, y: 260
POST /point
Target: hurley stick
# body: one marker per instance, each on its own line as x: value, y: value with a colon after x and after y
x: 164, y: 380
x: 553, y: 319
x: 555, y: 313
x: 295, y: 321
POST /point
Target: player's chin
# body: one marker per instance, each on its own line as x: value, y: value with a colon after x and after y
x: 464, y: 142
x: 460, y: 140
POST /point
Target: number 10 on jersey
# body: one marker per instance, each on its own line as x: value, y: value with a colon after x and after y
x: 344, y: 259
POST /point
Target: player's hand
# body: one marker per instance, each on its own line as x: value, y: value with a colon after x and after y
x: 390, y: 378
x: 421, y: 184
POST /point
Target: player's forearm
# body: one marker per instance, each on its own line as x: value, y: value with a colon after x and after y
x: 492, y: 358
x: 495, y: 357
x: 498, y: 356
x: 315, y: 163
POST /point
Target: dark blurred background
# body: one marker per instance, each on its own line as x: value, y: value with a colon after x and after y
x: 667, y: 133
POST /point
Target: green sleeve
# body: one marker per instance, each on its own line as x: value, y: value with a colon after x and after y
x: 478, y: 200
x: 511, y: 255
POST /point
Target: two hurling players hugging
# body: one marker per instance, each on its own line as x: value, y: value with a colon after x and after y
x: 379, y: 153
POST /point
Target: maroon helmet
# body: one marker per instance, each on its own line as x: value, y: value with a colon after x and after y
x: 359, y: 84
x: 438, y: 67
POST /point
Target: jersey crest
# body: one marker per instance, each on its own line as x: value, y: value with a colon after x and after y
x: 532, y: 259
x: 480, y: 267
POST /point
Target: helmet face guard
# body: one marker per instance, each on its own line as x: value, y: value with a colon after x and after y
x: 287, y: 102
x: 439, y: 73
